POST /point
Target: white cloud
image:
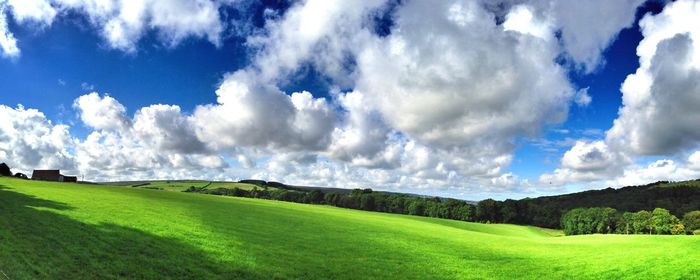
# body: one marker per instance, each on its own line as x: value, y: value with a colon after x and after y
x: 39, y: 11
x: 582, y: 98
x: 29, y: 140
x: 321, y: 32
x: 109, y: 155
x: 252, y: 114
x: 8, y: 42
x: 102, y: 112
x: 659, y: 115
x: 123, y: 23
x: 585, y: 162
x: 593, y: 156
x: 588, y: 27
x: 437, y: 104
x: 158, y: 143
x: 363, y: 139
x: 164, y: 127
x: 521, y: 19
x: 659, y: 170
x: 461, y: 82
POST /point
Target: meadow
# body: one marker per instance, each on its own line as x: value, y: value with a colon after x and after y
x: 78, y: 231
x: 181, y: 185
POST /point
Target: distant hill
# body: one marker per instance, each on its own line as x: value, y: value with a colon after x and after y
x: 283, y: 186
x: 546, y: 211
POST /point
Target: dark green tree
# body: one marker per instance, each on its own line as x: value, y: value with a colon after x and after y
x: 488, y: 210
x: 315, y: 197
x: 416, y: 207
x: 509, y: 211
x: 367, y: 202
x: 691, y: 221
x: 642, y: 222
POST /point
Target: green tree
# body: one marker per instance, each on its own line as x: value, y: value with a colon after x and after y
x: 488, y: 210
x: 662, y: 221
x: 626, y: 225
x: 315, y: 197
x: 367, y: 202
x: 691, y: 221
x: 466, y: 212
x: 417, y: 207
x: 572, y: 221
x: 642, y: 222
x: 509, y: 211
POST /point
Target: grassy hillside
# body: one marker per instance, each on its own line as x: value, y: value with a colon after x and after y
x: 181, y: 185
x: 69, y: 231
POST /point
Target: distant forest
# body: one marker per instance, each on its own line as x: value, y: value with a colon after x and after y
x: 678, y: 198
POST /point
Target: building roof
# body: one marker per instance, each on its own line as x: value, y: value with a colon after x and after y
x: 46, y: 173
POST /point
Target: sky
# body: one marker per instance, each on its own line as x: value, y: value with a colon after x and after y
x: 467, y: 99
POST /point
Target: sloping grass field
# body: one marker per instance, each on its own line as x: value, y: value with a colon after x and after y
x: 75, y: 231
x: 181, y: 185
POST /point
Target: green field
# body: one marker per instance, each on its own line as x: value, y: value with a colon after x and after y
x: 74, y: 231
x: 181, y: 185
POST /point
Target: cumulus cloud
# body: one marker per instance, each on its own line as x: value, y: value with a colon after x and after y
x: 108, y: 155
x: 323, y: 33
x: 164, y: 127
x: 254, y: 114
x: 587, y: 161
x: 436, y: 102
x: 588, y: 27
x: 159, y: 142
x: 399, y: 78
x: 660, y: 170
x: 29, y: 140
x: 102, y: 112
x: 363, y: 139
x: 122, y: 23
x: 659, y: 115
x: 425, y: 83
x: 521, y: 19
x: 388, y: 122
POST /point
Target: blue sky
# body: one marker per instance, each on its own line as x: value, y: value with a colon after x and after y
x: 232, y: 79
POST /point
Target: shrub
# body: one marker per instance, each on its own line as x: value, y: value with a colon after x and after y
x: 696, y: 232
x: 691, y: 220
x: 678, y: 229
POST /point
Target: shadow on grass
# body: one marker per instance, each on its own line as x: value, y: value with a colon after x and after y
x: 37, y: 243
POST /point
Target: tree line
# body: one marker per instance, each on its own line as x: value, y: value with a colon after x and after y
x: 365, y: 199
x: 608, y: 220
x: 678, y: 198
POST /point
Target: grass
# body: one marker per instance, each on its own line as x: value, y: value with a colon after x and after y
x: 181, y: 185
x: 72, y: 231
x: 689, y: 183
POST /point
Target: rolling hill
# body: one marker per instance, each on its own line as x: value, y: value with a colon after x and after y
x: 678, y: 197
x: 181, y: 185
x: 69, y: 231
